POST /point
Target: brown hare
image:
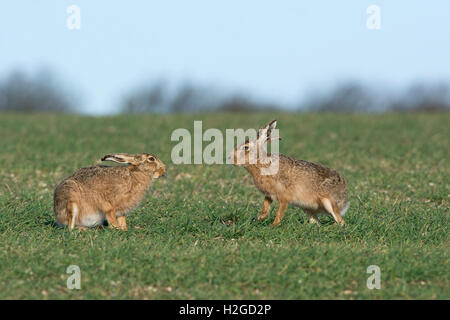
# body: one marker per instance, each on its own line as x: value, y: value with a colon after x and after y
x: 310, y: 186
x: 92, y: 194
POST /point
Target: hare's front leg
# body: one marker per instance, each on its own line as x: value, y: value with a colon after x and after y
x: 265, y: 209
x: 112, y: 220
x: 122, y: 223
x: 282, y: 206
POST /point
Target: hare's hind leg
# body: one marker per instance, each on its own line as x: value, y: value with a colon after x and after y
x: 265, y: 209
x: 72, y: 214
x: 332, y: 209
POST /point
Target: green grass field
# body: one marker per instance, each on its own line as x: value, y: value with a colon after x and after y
x: 196, y: 236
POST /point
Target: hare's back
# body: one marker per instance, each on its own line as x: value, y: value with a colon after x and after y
x: 100, y: 174
x: 320, y: 176
x: 92, y: 179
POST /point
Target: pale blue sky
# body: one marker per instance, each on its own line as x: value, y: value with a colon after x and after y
x: 278, y: 50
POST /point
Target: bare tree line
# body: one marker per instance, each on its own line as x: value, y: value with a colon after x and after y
x: 355, y: 97
x: 42, y: 92
x: 187, y: 97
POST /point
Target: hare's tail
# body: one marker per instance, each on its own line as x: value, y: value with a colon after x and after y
x: 345, y: 208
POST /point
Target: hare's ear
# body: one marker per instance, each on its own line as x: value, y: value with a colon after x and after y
x: 265, y: 133
x: 121, y: 158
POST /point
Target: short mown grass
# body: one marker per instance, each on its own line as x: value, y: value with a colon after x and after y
x: 196, y: 236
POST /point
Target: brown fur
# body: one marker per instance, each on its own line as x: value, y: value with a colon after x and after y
x: 92, y: 194
x: 307, y: 185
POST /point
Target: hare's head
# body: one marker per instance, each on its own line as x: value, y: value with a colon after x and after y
x: 143, y: 161
x: 254, y: 151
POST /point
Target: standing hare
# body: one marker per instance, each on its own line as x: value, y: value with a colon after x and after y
x: 92, y: 194
x: 312, y: 187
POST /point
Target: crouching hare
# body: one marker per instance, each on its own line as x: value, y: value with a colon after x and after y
x: 92, y: 194
x: 310, y: 186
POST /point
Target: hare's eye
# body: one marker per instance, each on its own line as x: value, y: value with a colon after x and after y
x: 151, y: 159
x: 245, y: 148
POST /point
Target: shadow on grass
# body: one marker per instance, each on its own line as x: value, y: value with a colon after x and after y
x: 53, y: 224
